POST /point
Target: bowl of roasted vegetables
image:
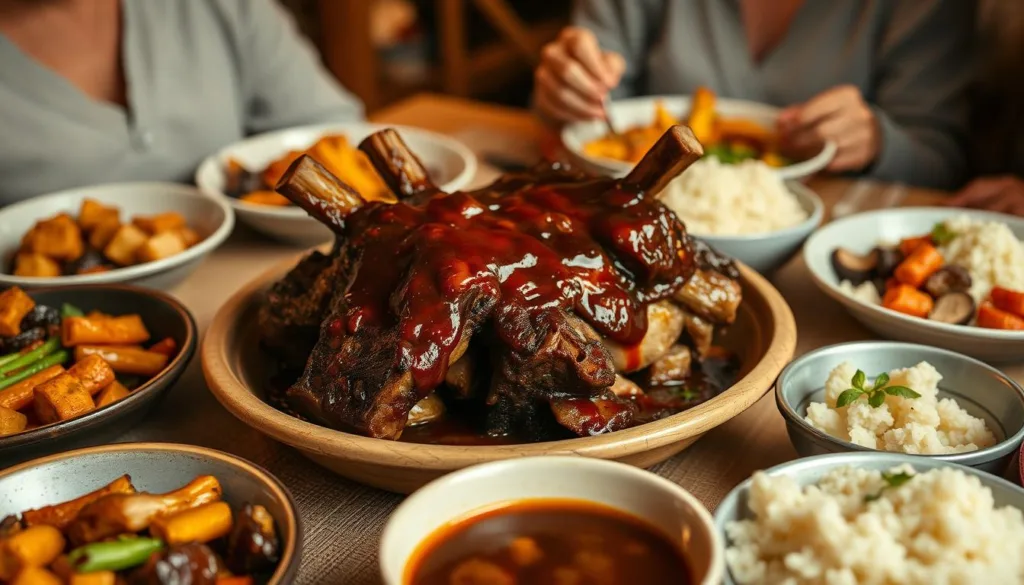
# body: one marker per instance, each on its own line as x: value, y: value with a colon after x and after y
x: 146, y: 514
x: 79, y: 365
x: 730, y: 130
x: 245, y: 174
x: 151, y: 234
x: 936, y: 276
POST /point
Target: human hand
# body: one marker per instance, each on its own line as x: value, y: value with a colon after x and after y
x: 840, y: 115
x: 574, y: 77
x: 1004, y: 194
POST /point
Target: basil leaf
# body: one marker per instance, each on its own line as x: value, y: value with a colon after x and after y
x: 848, y: 396
x: 942, y: 235
x: 881, y: 380
x: 876, y: 399
x: 896, y: 479
x: 901, y: 391
x: 859, y: 378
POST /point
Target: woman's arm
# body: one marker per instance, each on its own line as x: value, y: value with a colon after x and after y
x: 283, y: 81
x: 924, y: 66
x: 624, y: 27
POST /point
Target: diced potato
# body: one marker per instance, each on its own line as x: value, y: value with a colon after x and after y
x: 19, y: 395
x: 36, y: 546
x: 61, y: 398
x: 103, y: 233
x: 93, y: 214
x: 14, y: 305
x: 58, y: 237
x: 93, y: 372
x: 123, y: 330
x: 160, y: 223
x: 112, y: 393
x: 163, y: 245
x: 124, y: 246
x: 35, y: 265
x: 126, y: 360
x: 11, y: 421
x: 94, y: 578
x: 266, y: 198
x: 189, y: 236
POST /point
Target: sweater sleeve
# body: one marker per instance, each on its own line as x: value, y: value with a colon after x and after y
x: 625, y: 27
x: 924, y: 66
x: 284, y: 83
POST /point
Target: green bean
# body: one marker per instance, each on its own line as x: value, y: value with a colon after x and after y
x: 116, y: 555
x: 6, y: 359
x: 38, y: 366
x: 52, y: 344
x: 69, y: 310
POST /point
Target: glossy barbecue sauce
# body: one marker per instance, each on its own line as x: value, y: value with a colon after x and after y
x: 548, y: 542
x: 531, y: 242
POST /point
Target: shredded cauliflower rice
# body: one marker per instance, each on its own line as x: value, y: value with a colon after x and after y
x: 713, y: 198
x: 939, y: 527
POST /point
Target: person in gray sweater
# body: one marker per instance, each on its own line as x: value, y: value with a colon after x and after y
x: 885, y: 79
x: 97, y: 91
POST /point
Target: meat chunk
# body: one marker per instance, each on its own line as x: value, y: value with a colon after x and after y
x: 700, y: 333
x: 671, y: 368
x: 664, y: 326
x: 712, y: 296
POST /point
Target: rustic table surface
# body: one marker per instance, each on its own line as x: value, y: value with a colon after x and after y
x: 343, y: 520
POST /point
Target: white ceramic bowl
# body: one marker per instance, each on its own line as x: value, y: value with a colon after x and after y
x: 633, y: 112
x: 661, y: 503
x: 769, y: 251
x: 863, y: 231
x: 451, y: 165
x: 210, y: 218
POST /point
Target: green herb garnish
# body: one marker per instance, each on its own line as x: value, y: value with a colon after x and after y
x: 876, y: 393
x: 942, y: 235
x: 892, y: 480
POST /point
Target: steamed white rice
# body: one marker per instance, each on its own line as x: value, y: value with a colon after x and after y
x: 712, y: 198
x: 989, y: 251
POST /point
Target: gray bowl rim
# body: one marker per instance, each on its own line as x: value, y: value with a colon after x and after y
x: 287, y: 567
x: 140, y: 395
x: 1008, y: 445
x: 805, y: 195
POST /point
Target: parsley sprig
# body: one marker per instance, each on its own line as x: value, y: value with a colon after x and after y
x: 942, y: 235
x: 892, y: 480
x: 876, y: 393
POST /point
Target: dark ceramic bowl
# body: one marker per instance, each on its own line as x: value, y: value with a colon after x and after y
x: 163, y: 315
x: 156, y: 468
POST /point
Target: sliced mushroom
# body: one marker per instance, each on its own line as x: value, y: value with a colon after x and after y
x: 427, y: 410
x: 955, y: 307
x: 857, y: 268
x: 948, y: 279
x: 888, y: 260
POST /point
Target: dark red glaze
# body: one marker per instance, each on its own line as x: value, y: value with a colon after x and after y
x: 532, y: 241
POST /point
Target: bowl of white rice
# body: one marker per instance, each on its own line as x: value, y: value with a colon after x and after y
x: 744, y: 210
x: 991, y: 249
x: 873, y: 519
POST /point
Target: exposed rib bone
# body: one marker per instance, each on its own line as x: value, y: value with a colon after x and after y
x: 315, y: 189
x: 676, y: 150
x: 403, y: 173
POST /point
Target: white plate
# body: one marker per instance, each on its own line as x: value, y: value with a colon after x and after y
x: 450, y: 164
x: 212, y: 219
x: 633, y: 112
x: 863, y: 231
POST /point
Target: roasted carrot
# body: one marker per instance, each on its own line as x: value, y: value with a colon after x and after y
x: 891, y: 283
x: 919, y: 265
x: 19, y: 396
x: 166, y: 346
x: 201, y: 524
x: 1008, y: 300
x: 990, y: 317
x: 908, y: 300
x: 125, y: 360
x: 123, y: 330
x: 234, y: 580
x: 908, y: 245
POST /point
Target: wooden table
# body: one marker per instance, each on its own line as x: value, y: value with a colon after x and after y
x: 343, y: 520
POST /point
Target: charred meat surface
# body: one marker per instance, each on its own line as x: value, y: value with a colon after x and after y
x: 543, y: 272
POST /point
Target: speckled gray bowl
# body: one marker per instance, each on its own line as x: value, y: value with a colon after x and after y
x: 810, y: 469
x: 766, y: 253
x: 155, y: 467
x: 980, y: 389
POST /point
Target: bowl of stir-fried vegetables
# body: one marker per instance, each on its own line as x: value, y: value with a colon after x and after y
x: 146, y: 514
x: 80, y: 365
x: 731, y: 130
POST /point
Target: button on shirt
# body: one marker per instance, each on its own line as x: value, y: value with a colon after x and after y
x: 200, y: 74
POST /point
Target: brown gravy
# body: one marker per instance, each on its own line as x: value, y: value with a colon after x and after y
x: 548, y: 542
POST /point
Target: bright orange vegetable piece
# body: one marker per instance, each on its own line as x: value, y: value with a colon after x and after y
x: 924, y: 261
x: 908, y: 245
x: 1008, y: 300
x: 235, y: 580
x: 166, y: 346
x: 990, y: 317
x: 908, y: 300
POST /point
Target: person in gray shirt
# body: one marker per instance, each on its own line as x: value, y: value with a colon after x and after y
x: 97, y: 91
x: 885, y: 79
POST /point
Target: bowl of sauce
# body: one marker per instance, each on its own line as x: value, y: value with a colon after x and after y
x: 551, y: 520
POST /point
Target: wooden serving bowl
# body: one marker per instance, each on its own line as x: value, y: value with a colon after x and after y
x: 764, y: 335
